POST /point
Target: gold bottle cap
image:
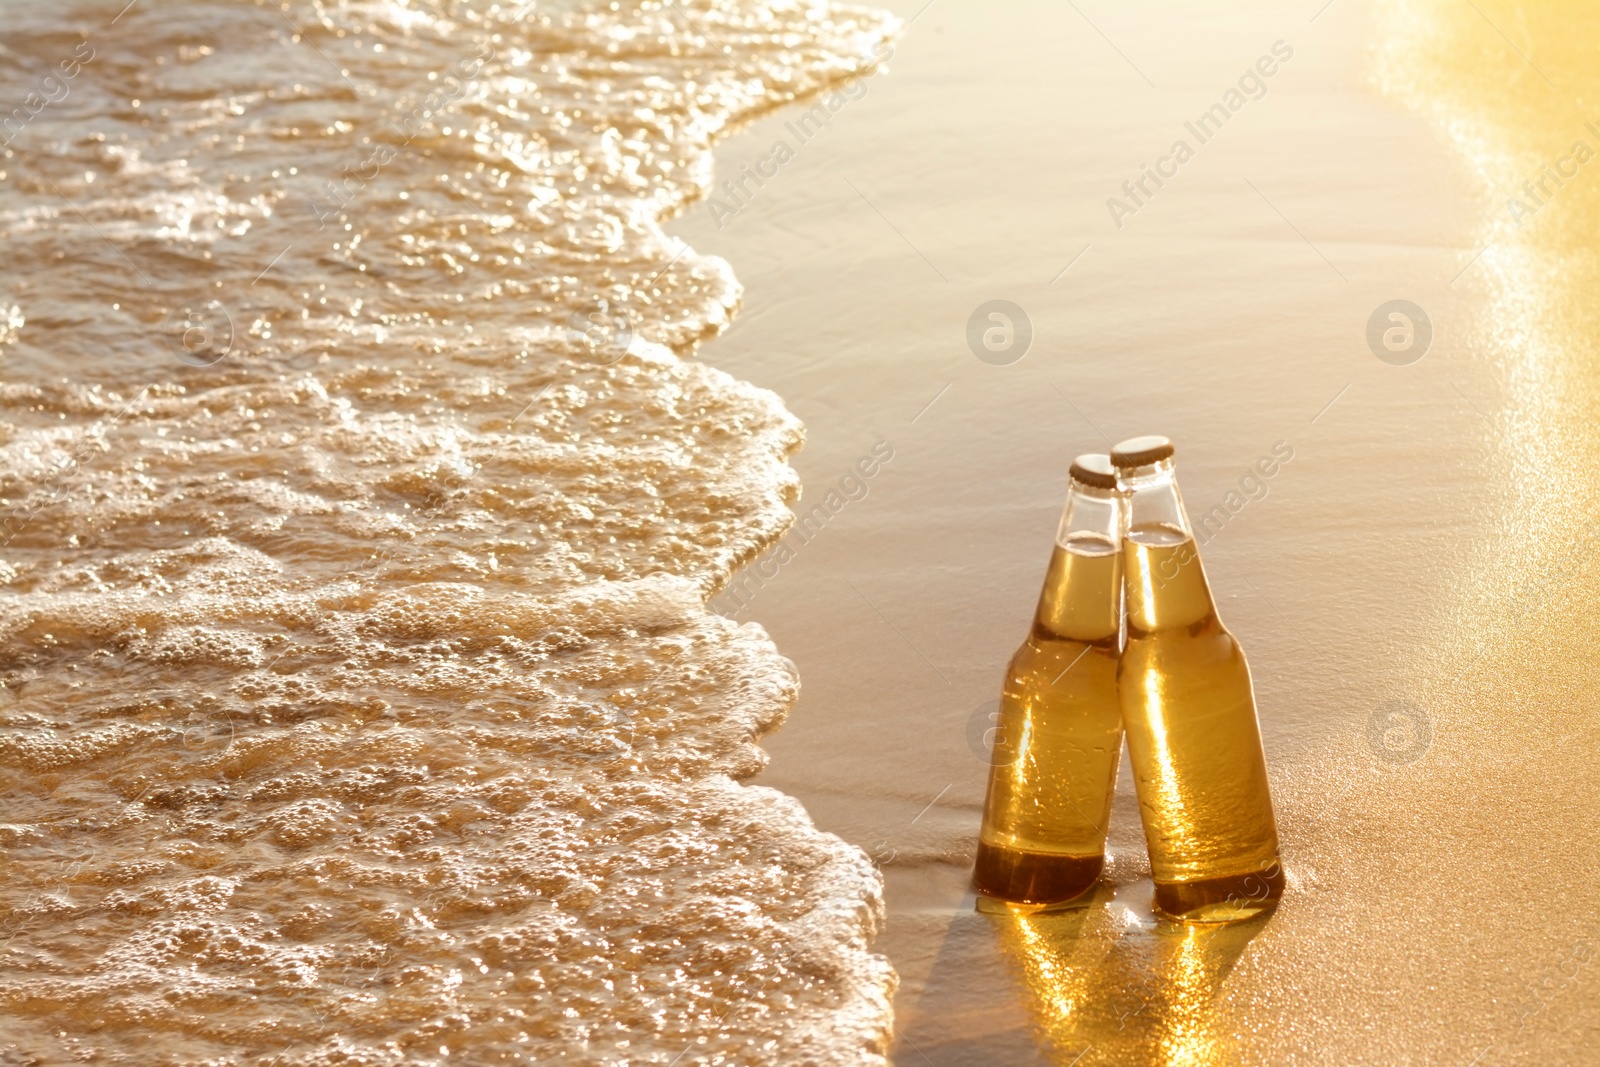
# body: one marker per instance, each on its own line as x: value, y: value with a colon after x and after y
x: 1142, y: 451
x: 1094, y: 470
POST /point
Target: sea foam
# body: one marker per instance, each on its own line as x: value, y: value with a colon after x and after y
x: 361, y: 705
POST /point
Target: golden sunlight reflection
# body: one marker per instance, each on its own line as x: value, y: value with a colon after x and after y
x: 1525, y: 121
x: 1171, y: 795
x: 1107, y: 987
x: 1051, y: 977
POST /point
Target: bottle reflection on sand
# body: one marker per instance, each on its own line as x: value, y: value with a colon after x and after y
x: 1104, y: 992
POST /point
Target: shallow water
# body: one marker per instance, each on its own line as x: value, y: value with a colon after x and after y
x: 361, y: 495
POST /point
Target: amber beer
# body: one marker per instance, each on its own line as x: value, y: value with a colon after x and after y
x: 1059, y: 734
x: 1189, y: 709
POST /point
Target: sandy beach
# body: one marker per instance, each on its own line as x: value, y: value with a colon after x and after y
x: 1407, y: 586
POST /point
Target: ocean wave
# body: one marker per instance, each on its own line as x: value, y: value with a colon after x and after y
x: 360, y: 700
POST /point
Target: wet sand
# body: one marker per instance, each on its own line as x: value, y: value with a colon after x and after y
x: 1411, y: 587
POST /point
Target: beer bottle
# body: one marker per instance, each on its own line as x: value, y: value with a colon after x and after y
x: 1059, y: 734
x: 1189, y: 710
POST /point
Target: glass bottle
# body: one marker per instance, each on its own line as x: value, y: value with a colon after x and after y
x: 1059, y: 731
x: 1194, y: 744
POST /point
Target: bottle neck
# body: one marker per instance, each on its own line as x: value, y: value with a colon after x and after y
x: 1082, y: 595
x: 1166, y: 585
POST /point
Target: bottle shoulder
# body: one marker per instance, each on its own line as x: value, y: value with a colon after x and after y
x: 1205, y: 643
x: 1050, y: 657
